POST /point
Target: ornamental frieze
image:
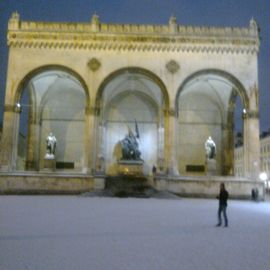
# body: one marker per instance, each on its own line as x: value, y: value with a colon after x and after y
x: 97, y: 35
x: 87, y: 45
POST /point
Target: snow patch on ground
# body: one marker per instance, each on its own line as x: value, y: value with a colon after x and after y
x: 80, y: 232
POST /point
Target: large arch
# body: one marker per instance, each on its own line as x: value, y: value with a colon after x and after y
x: 44, y: 68
x: 238, y: 85
x: 58, y: 101
x: 204, y: 106
x: 137, y: 70
x: 125, y: 96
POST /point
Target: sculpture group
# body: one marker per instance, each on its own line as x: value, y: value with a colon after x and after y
x: 130, y: 145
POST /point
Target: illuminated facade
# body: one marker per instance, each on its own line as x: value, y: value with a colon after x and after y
x: 264, y: 157
x: 89, y: 82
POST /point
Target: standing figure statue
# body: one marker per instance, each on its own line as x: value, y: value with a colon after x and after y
x: 50, y: 145
x: 210, y: 148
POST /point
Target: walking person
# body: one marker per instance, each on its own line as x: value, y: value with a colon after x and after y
x: 222, y: 197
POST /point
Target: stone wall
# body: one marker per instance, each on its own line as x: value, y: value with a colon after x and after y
x: 45, y: 184
x: 209, y: 187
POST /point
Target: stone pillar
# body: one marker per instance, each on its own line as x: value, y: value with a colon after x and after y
x: 32, y: 144
x: 227, y: 152
x: 251, y: 145
x: 160, y: 160
x: 161, y: 152
x: 227, y: 146
x: 9, y: 137
x: 170, y: 147
x: 90, y: 148
x: 93, y: 111
x: 100, y: 143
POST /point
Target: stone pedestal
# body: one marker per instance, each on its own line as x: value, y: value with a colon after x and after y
x: 130, y: 167
x: 49, y: 164
x: 211, y: 166
x: 99, y: 183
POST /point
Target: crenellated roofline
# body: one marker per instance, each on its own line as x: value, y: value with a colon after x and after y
x: 97, y: 35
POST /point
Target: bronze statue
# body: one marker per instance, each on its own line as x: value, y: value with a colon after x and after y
x: 130, y: 145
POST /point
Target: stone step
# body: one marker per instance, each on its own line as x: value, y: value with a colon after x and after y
x: 128, y: 186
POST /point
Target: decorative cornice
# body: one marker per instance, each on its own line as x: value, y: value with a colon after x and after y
x: 134, y: 47
x: 96, y: 35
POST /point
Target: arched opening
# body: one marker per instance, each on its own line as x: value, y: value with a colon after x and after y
x: 208, y: 106
x: 128, y: 98
x: 52, y: 100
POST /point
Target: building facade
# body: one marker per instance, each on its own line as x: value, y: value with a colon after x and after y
x: 264, y: 157
x: 88, y: 83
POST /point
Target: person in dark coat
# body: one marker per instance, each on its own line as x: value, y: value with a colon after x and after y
x: 222, y: 197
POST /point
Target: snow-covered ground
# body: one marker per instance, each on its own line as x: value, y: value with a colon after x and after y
x: 79, y: 233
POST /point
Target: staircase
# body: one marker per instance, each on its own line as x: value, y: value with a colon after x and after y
x: 128, y: 186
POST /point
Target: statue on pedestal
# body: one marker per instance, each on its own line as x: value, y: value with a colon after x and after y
x: 50, y: 146
x: 210, y: 148
x: 130, y: 145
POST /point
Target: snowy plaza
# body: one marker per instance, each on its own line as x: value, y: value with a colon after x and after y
x: 99, y: 233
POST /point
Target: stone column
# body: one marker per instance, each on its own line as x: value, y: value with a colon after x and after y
x: 227, y: 146
x: 32, y: 143
x: 9, y: 137
x: 100, y: 144
x: 90, y: 148
x: 227, y: 153
x: 161, y: 152
x: 170, y: 146
x: 251, y: 145
x: 160, y: 161
x: 93, y: 111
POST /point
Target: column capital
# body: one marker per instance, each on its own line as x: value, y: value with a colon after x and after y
x: 92, y: 110
x: 251, y: 114
x: 170, y: 112
x: 13, y: 108
x: 8, y: 108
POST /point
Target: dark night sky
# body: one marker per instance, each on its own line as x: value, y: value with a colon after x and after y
x: 232, y: 13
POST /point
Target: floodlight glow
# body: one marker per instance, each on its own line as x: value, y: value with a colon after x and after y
x: 263, y: 176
